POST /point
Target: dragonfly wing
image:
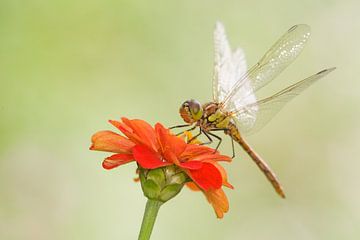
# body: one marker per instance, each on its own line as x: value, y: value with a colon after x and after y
x: 229, y: 66
x: 275, y: 60
x: 253, y: 117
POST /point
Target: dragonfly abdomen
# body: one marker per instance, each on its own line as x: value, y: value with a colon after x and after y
x: 234, y: 133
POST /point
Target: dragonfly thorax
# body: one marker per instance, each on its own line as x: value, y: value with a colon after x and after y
x: 207, y: 116
x: 214, y: 117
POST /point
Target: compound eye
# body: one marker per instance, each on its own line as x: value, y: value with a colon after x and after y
x: 185, y: 104
x: 195, y: 107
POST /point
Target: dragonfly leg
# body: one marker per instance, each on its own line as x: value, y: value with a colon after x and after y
x: 218, y: 138
x: 194, y: 137
x: 180, y: 126
x: 232, y: 140
x: 219, y: 129
x: 189, y: 130
x: 233, y: 149
x: 208, y: 137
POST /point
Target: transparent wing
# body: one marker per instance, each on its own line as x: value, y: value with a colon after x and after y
x: 280, y: 55
x: 228, y: 66
x: 253, y: 117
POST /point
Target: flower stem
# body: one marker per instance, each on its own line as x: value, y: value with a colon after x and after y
x: 151, y: 211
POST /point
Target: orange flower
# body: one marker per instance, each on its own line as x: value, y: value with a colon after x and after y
x: 156, y: 147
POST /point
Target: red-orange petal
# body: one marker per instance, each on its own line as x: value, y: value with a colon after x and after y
x: 218, y: 200
x: 169, y: 141
x: 144, y: 131
x: 118, y: 125
x: 207, y: 177
x: 193, y: 186
x: 109, y: 141
x: 117, y: 160
x: 201, y: 153
x: 223, y: 175
x: 126, y: 130
x: 212, y: 157
x: 170, y: 156
x: 147, y: 158
x: 191, y: 165
x: 195, y: 150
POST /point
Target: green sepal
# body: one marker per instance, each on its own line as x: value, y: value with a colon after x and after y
x: 170, y: 191
x: 179, y: 178
x: 170, y: 170
x: 151, y: 189
x: 157, y: 175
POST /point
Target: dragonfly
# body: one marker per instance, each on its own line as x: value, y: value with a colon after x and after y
x: 235, y: 108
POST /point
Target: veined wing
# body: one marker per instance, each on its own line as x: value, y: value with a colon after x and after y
x: 254, y: 116
x: 229, y: 66
x: 280, y: 55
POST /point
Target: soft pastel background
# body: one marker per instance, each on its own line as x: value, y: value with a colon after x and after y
x: 66, y: 67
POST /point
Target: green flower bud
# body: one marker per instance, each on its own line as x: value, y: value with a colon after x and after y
x: 162, y: 184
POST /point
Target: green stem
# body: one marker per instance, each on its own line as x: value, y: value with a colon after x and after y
x: 151, y: 211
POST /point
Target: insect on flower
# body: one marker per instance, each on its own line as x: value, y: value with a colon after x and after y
x: 235, y: 108
x: 166, y: 162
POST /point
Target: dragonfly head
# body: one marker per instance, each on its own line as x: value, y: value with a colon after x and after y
x: 191, y: 111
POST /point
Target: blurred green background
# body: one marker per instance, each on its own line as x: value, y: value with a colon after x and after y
x: 66, y: 67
